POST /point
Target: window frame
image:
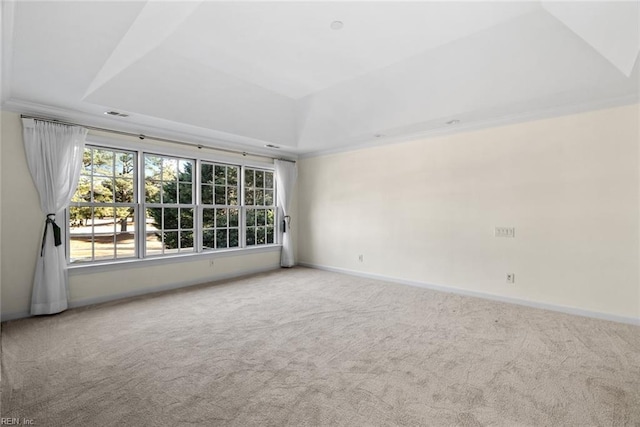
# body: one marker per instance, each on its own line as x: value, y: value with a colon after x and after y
x: 199, y: 156
x: 105, y: 205
x: 246, y: 207
x: 202, y: 206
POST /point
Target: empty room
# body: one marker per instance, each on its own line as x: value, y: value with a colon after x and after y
x: 320, y: 213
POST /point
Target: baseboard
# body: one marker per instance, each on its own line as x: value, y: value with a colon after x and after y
x: 494, y: 297
x: 4, y: 317
x: 138, y: 292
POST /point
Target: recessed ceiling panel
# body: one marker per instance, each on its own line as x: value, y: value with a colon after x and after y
x: 155, y: 22
x: 612, y: 28
x: 59, y: 47
x: 529, y: 63
x: 171, y: 87
x: 290, y: 48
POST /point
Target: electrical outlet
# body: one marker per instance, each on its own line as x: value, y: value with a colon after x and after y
x: 511, y: 278
x: 505, y: 232
x: 361, y: 258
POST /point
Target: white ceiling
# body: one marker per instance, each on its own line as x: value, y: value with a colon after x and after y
x: 247, y: 74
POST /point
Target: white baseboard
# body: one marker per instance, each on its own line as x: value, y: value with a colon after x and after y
x: 13, y: 316
x: 494, y: 297
x: 137, y: 292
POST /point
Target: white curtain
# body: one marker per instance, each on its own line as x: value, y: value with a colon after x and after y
x: 286, y: 174
x: 54, y: 154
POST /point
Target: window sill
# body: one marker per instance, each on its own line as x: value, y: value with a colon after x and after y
x: 89, y: 268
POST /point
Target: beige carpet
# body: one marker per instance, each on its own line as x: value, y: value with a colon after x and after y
x: 303, y: 347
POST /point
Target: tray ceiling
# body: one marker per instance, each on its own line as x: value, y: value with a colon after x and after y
x: 255, y: 73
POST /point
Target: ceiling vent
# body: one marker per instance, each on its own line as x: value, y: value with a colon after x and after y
x: 116, y: 113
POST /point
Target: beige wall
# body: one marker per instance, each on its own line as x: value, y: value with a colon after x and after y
x: 425, y: 211
x: 21, y: 228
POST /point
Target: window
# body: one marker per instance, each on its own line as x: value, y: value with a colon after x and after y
x: 220, y: 187
x: 103, y: 210
x: 169, y: 205
x: 132, y: 204
x: 260, y: 207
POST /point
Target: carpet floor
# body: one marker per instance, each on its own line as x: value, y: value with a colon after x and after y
x: 304, y: 347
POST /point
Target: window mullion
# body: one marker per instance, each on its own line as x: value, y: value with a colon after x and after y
x: 243, y: 210
x: 197, y: 223
x: 141, y: 229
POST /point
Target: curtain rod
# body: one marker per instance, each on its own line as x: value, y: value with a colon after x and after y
x: 142, y: 136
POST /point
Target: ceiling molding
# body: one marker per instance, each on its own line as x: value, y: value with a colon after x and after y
x: 483, y: 124
x: 150, y: 131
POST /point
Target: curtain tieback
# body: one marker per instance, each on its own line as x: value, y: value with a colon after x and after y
x: 286, y: 223
x: 51, y: 219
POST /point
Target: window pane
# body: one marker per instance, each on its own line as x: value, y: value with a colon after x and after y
x: 248, y: 178
x: 186, y: 218
x: 152, y: 166
x: 125, y: 165
x: 233, y: 217
x: 170, y: 240
x: 261, y: 235
x: 234, y: 240
x: 124, y: 190
x: 186, y: 240
x: 87, y: 161
x: 232, y: 195
x: 102, y: 162
x: 232, y: 175
x: 259, y: 179
x: 186, y: 171
x: 271, y: 215
x: 220, y: 195
x: 154, y: 244
x: 185, y: 193
x: 169, y: 169
x: 251, y: 237
x: 208, y: 239
x: 207, y: 194
x: 268, y: 198
x: 208, y: 218
x: 259, y: 200
x: 170, y: 219
x: 206, y: 172
x: 104, y: 247
x: 124, y: 218
x: 80, y: 236
x: 221, y: 239
x: 268, y: 180
x: 83, y: 191
x: 152, y: 191
x: 125, y: 245
x: 103, y: 190
x: 251, y: 217
x: 220, y: 174
x: 153, y: 219
x: 261, y: 217
x: 248, y: 197
x: 221, y: 217
x: 169, y: 192
x: 78, y: 217
x: 270, y: 235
